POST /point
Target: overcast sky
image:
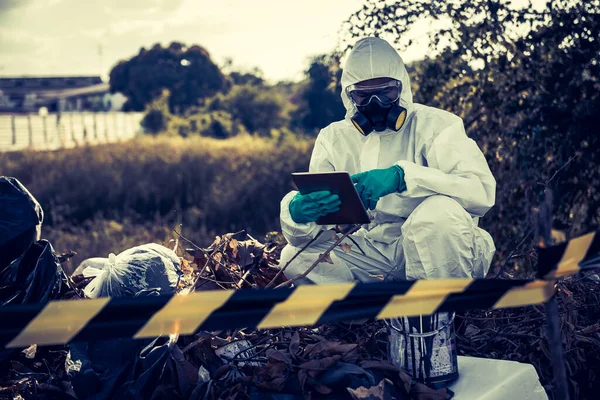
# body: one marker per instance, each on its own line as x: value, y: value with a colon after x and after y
x: 64, y: 37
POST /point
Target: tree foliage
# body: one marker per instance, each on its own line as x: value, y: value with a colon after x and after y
x: 319, y: 101
x: 187, y: 72
x: 157, y: 118
x: 525, y: 81
x: 246, y: 78
x: 201, y: 99
x: 257, y: 107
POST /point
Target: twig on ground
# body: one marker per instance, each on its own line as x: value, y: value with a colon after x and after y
x: 245, y: 276
x: 209, y: 258
x: 207, y: 279
x: 517, y: 335
x: 510, y: 256
x: 321, y: 257
x: 292, y: 259
x: 189, y: 241
x: 194, y: 344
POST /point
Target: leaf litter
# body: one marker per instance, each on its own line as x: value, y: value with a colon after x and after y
x: 327, y: 361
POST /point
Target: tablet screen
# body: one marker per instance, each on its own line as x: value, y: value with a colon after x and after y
x: 352, y: 210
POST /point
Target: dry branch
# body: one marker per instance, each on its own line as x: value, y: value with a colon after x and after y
x: 322, y: 257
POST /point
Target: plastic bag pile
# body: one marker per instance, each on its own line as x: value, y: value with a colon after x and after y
x: 150, y: 269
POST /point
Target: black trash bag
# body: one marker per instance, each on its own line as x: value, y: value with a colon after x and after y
x: 118, y: 369
x: 21, y: 219
x: 34, y: 277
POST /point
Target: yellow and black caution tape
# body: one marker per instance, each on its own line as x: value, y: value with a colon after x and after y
x: 60, y: 322
x: 570, y: 257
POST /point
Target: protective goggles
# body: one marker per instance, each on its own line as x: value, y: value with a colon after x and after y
x: 386, y: 93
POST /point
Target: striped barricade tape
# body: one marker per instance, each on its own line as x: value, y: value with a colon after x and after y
x: 60, y: 322
x: 570, y: 257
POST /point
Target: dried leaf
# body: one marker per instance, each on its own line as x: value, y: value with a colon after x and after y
x: 233, y: 244
x: 302, y: 377
x: 314, y: 367
x: 275, y: 384
x: 203, y: 375
x: 19, y: 367
x: 295, y: 343
x: 346, y: 247
x: 218, y: 257
x: 199, y: 257
x: 326, y: 258
x: 329, y: 347
x: 320, y: 388
x: 186, y: 372
x: 380, y: 392
x: 245, y: 254
x: 381, y: 365
x: 236, y: 392
x: 275, y: 368
x: 186, y: 266
x: 280, y: 356
x: 222, y: 370
x: 30, y: 351
x: 406, y: 380
x: 334, y: 236
x: 471, y: 330
x: 351, y: 357
x: 217, y: 241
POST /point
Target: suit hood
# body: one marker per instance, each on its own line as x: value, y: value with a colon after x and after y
x: 370, y: 58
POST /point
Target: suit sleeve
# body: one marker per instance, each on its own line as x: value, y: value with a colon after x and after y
x: 456, y: 167
x: 295, y: 233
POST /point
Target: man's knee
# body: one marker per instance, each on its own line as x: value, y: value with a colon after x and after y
x: 323, y: 273
x: 438, y: 214
x: 295, y: 267
x: 289, y: 252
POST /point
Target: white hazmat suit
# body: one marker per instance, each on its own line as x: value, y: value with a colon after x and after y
x: 427, y: 231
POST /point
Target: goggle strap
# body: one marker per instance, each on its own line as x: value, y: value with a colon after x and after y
x: 394, y: 83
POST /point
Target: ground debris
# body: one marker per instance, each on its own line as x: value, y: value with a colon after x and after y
x: 519, y: 334
x: 333, y: 361
x: 229, y: 263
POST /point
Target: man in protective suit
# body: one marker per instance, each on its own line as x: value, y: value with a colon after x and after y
x: 424, y: 182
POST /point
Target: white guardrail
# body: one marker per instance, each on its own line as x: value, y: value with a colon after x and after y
x: 70, y: 129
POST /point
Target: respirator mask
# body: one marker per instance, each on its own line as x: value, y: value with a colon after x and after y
x: 378, y: 107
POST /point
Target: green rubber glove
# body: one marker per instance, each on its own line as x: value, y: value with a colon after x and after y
x: 376, y: 183
x: 309, y: 207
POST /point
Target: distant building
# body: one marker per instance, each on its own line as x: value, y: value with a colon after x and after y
x: 68, y: 93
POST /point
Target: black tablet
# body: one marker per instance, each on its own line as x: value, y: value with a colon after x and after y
x: 352, y: 210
